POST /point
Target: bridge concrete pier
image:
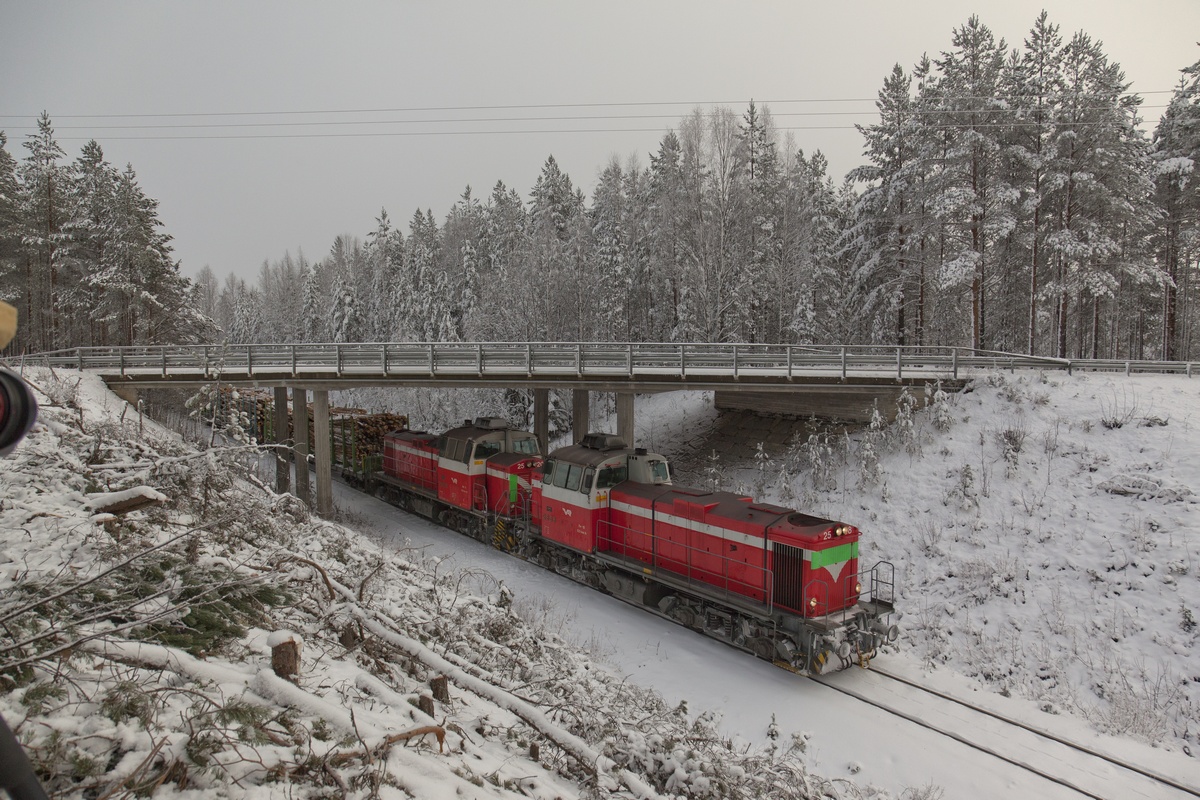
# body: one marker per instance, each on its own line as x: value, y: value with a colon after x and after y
x: 625, y: 420
x: 321, y: 450
x: 580, y: 415
x: 300, y: 421
x: 541, y: 418
x: 279, y: 424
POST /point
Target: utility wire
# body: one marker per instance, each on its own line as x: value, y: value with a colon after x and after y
x: 465, y: 120
x: 528, y: 132
x: 515, y: 107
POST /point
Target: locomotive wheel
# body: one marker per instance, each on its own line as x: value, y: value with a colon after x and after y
x: 762, y: 647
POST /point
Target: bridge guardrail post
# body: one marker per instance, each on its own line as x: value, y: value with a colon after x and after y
x: 629, y: 360
x: 479, y: 360
x: 735, y: 362
x: 789, y: 361
x: 79, y: 352
x: 164, y: 361
x: 843, y: 363
x: 682, y: 360
x: 899, y: 365
x: 249, y: 361
x: 293, y: 361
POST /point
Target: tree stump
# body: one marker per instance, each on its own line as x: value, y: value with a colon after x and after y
x: 285, y: 654
x: 285, y: 659
x: 535, y: 752
x: 440, y: 686
x: 425, y: 703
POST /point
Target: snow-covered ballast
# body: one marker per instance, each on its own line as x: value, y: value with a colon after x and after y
x: 782, y: 584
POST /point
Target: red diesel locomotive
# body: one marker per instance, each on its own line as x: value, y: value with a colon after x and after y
x: 783, y: 585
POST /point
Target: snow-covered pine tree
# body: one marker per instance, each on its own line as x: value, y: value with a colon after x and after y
x: 1033, y: 85
x: 1177, y: 191
x: 886, y: 237
x: 1101, y: 195
x: 971, y: 197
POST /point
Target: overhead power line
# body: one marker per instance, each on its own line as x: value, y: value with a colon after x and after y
x: 476, y: 120
x: 518, y: 107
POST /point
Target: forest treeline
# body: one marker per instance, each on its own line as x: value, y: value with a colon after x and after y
x: 1010, y: 201
x: 82, y: 254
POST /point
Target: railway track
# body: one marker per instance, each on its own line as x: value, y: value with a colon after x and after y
x: 1080, y: 768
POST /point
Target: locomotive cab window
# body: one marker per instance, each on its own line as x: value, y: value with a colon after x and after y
x: 573, y: 476
x: 611, y: 476
x: 487, y: 449
x: 527, y: 446
x: 560, y: 475
x: 548, y: 472
x: 660, y: 471
x: 589, y: 475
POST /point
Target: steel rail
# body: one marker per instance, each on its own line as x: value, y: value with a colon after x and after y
x: 983, y: 748
x: 1044, y: 734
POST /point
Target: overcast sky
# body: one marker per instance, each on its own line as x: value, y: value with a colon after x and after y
x: 234, y: 194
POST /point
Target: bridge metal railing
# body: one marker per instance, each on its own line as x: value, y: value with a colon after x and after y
x: 564, y: 360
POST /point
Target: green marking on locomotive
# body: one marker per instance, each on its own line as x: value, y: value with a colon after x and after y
x: 832, y: 555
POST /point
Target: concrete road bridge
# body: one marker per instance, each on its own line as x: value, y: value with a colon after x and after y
x: 825, y: 380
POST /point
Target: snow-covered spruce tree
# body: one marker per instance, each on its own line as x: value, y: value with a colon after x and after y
x: 43, y: 209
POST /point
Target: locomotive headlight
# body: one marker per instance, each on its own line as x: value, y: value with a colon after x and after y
x: 858, y: 588
x: 812, y: 603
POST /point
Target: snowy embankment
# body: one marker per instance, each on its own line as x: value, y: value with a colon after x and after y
x: 136, y: 648
x: 1046, y: 535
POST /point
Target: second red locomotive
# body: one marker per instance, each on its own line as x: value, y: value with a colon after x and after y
x: 783, y: 585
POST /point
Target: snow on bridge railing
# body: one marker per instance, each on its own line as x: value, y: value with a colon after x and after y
x: 563, y: 360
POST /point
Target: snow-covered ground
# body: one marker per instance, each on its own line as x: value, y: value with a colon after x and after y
x: 1043, y: 530
x: 136, y: 646
x: 1019, y: 518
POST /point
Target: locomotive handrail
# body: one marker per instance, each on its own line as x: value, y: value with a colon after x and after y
x: 551, y: 362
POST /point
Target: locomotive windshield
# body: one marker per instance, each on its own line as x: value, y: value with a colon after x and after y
x: 527, y: 446
x: 611, y: 476
x: 660, y: 471
x: 488, y: 449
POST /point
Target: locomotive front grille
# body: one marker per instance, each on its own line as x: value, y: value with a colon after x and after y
x: 789, y: 576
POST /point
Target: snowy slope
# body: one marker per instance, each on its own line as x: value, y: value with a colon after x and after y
x: 917, y: 477
x: 1046, y: 538
x: 135, y: 652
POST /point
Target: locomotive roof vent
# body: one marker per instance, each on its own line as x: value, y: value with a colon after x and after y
x: 603, y: 441
x: 640, y: 451
x: 491, y: 423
